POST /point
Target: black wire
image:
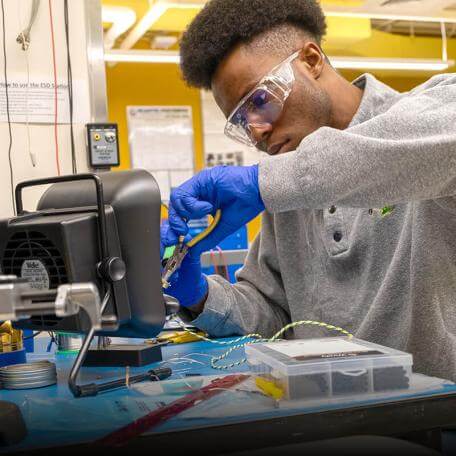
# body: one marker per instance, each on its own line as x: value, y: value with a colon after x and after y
x: 32, y: 336
x: 52, y: 336
x: 5, y: 71
x: 70, y: 84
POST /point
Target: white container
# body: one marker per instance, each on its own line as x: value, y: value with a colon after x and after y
x: 330, y: 367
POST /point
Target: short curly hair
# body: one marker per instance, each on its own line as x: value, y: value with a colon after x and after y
x: 223, y: 24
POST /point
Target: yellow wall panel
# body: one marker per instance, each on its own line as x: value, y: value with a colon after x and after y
x: 175, y: 19
x: 139, y: 6
x: 386, y: 45
x: 343, y: 30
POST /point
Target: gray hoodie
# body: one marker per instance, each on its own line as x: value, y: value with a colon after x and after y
x: 323, y: 254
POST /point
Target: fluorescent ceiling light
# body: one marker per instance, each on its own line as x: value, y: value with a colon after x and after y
x: 142, y: 56
x: 351, y: 63
x: 391, y: 17
x: 390, y: 64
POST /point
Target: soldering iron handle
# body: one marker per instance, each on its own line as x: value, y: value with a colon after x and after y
x: 91, y: 389
x: 153, y: 375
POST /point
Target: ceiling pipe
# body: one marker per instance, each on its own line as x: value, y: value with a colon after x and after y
x: 392, y: 17
x: 140, y: 56
x: 364, y: 63
x: 122, y: 18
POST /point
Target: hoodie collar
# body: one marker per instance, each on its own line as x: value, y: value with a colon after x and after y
x: 374, y: 98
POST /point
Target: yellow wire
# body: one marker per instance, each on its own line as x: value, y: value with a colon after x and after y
x: 259, y: 339
x: 312, y: 323
x: 206, y: 233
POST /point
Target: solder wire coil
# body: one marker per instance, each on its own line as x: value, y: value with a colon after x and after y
x: 31, y: 375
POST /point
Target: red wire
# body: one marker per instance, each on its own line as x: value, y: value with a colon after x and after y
x: 56, y: 134
x: 214, y: 262
x: 155, y: 418
x: 222, y: 260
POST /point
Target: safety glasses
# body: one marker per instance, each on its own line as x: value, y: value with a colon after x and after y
x: 263, y: 105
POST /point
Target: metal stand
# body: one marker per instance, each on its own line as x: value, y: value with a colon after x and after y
x: 16, y: 303
x: 92, y: 388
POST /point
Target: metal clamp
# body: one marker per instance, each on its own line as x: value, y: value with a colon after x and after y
x: 71, y: 298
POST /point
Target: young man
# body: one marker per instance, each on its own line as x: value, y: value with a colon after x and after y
x: 336, y: 154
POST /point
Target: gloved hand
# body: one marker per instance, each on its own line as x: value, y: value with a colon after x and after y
x: 188, y: 285
x: 233, y: 189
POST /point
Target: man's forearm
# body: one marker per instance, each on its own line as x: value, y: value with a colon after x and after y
x: 400, y: 156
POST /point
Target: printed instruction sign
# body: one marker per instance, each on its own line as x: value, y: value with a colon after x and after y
x: 34, y: 101
x: 161, y: 142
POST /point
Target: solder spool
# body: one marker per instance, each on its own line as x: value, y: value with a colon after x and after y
x: 27, y: 376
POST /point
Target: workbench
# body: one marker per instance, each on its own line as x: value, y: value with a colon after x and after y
x: 231, y: 421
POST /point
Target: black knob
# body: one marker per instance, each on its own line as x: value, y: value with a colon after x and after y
x: 112, y: 269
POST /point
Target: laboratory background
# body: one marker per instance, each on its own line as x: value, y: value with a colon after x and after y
x: 121, y: 331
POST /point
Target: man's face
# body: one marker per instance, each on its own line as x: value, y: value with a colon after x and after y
x: 307, y: 108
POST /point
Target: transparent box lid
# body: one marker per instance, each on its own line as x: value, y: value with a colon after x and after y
x: 308, y: 356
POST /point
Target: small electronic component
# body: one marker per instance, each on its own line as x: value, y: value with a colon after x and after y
x: 328, y: 367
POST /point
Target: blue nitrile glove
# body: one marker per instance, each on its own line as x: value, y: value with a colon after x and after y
x: 188, y: 285
x: 233, y: 189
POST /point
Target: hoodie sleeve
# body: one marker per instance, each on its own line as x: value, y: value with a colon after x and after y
x: 407, y: 153
x: 257, y: 302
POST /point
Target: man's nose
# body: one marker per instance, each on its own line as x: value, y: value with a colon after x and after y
x: 260, y: 132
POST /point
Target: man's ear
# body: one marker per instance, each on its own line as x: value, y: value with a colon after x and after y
x: 313, y: 58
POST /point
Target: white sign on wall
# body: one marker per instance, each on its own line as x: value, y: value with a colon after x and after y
x: 161, y: 142
x: 34, y: 101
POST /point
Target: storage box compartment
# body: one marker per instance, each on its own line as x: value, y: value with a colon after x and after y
x: 330, y: 367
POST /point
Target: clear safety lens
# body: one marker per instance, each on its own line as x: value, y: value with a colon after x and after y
x: 263, y: 105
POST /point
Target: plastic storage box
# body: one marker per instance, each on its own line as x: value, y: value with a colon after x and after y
x: 329, y: 367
